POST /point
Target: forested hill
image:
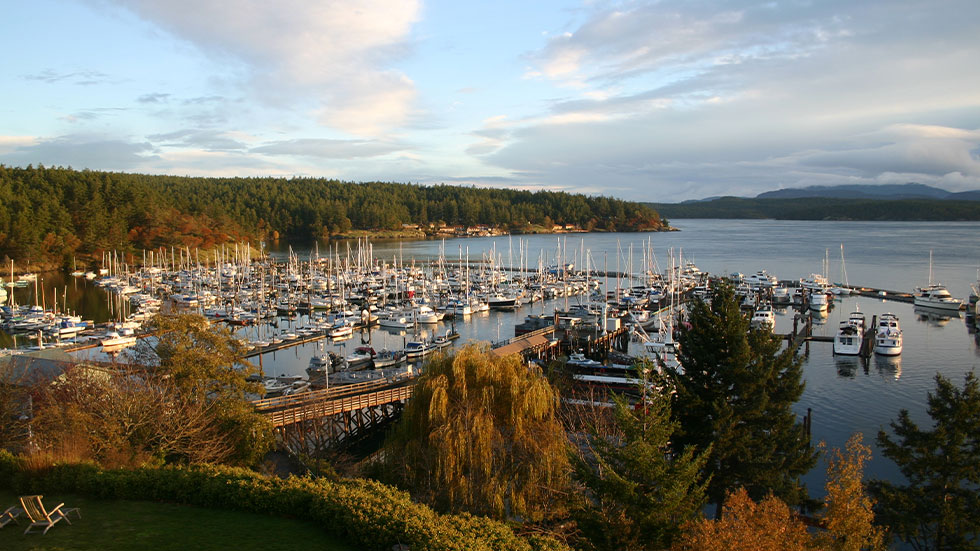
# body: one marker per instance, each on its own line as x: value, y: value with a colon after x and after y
x: 52, y: 214
x: 822, y: 208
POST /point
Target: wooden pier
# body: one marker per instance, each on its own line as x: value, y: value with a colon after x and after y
x: 314, y: 421
x: 539, y: 344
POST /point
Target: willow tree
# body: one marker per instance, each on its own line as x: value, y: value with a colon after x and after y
x: 481, y: 434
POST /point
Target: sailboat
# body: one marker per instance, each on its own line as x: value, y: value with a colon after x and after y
x: 839, y: 289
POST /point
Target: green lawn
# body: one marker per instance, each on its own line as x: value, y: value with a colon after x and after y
x: 111, y: 525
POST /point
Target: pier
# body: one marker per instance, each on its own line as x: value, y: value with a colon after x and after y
x: 317, y: 420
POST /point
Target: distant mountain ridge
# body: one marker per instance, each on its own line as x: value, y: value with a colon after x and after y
x: 880, y: 192
x: 908, y: 202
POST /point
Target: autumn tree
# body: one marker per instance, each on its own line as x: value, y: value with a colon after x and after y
x: 206, y: 363
x: 735, y: 391
x: 124, y: 417
x: 639, y: 490
x: 937, y: 509
x: 848, y: 516
x: 15, y: 404
x: 481, y: 435
x: 769, y: 525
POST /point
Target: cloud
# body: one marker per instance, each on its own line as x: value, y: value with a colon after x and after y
x: 79, y: 78
x: 80, y: 152
x: 207, y: 140
x: 673, y: 101
x: 337, y: 52
x: 156, y: 97
x: 328, y: 149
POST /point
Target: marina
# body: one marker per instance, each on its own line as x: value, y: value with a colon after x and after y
x: 933, y: 340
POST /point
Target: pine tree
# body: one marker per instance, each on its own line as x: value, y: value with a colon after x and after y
x: 481, y: 435
x: 641, y: 493
x: 734, y: 393
x: 938, y: 508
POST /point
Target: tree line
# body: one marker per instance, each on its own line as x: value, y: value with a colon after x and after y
x: 50, y: 214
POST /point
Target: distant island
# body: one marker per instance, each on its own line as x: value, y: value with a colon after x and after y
x: 53, y: 216
x: 905, y: 202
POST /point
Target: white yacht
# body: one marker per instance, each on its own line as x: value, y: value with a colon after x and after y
x: 761, y: 278
x: 764, y: 318
x: 888, y: 340
x: 936, y: 296
x: 117, y: 340
x: 850, y: 335
x: 818, y: 300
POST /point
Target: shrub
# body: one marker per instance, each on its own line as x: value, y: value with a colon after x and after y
x: 366, y: 513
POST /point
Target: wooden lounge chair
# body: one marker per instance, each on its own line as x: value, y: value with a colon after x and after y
x: 10, y: 515
x: 42, y: 518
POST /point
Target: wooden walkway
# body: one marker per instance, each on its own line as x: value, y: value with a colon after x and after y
x: 319, y: 409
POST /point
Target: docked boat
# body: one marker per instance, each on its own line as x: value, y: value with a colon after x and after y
x: 117, y: 340
x: 341, y: 329
x: 322, y: 365
x: 425, y: 314
x: 936, y: 296
x: 761, y: 279
x: 415, y: 350
x: 850, y: 335
x: 361, y: 358
x: 577, y: 360
x: 819, y: 301
x: 502, y: 302
x: 888, y: 339
x: 388, y: 358
x: 395, y: 321
x: 764, y: 318
x: 782, y: 295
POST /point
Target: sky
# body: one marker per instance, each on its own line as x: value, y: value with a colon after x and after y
x: 658, y: 101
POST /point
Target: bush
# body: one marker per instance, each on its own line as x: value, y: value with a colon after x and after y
x: 366, y: 513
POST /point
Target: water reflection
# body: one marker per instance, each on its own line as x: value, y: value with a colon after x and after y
x: 847, y: 366
x: 934, y: 316
x: 889, y: 366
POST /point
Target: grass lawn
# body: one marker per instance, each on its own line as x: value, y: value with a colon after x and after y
x: 111, y: 525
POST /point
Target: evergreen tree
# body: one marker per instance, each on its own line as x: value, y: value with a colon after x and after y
x: 734, y: 392
x: 939, y: 508
x: 481, y: 435
x: 641, y: 493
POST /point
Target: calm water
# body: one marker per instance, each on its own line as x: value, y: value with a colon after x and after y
x: 845, y: 395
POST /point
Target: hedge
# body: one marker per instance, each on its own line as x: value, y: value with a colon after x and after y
x: 363, y: 512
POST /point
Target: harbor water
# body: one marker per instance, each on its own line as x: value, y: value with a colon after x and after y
x: 844, y: 394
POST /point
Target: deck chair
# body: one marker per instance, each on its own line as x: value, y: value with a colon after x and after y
x: 42, y: 518
x: 10, y: 515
